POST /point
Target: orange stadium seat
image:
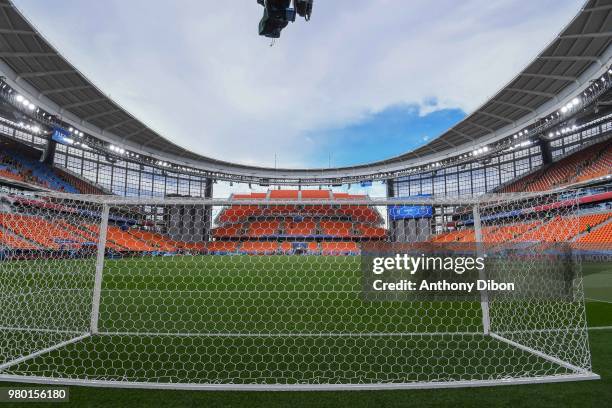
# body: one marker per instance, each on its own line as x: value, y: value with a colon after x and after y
x: 339, y: 248
x: 123, y: 239
x: 464, y: 235
x: 284, y: 194
x: 45, y: 233
x: 506, y: 233
x: 222, y: 246
x: 87, y: 234
x: 337, y: 228
x: 316, y: 194
x: 602, y: 234
x: 592, y: 162
x: 263, y: 228
x: 371, y: 232
x: 8, y: 240
x: 154, y: 239
x: 229, y: 231
x: 259, y: 247
x: 301, y: 228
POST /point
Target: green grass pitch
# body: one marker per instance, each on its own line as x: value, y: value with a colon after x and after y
x: 149, y: 305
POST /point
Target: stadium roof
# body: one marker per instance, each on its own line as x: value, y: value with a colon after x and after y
x: 580, y: 53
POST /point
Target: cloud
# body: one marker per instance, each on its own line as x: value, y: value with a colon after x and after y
x: 197, y: 72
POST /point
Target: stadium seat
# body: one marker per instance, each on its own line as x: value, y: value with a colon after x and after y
x: 339, y: 248
x: 593, y: 162
x: 47, y: 234
x: 155, y: 240
x: 221, y: 246
x: 252, y: 222
x: 337, y: 228
x: 599, y: 235
x: 301, y: 228
x: 20, y: 166
x: 316, y: 194
x: 229, y: 231
x: 11, y: 241
x: 259, y: 247
x: 263, y: 228
x: 284, y: 194
x: 367, y: 231
x: 124, y: 239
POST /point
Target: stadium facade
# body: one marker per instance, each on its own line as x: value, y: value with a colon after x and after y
x: 562, y: 87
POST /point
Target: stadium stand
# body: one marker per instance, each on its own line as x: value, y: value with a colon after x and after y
x: 370, y: 232
x: 337, y: 228
x: 158, y: 241
x: 122, y: 239
x: 598, y: 235
x: 303, y: 228
x: 230, y: 231
x: 8, y: 240
x: 259, y: 247
x: 222, y: 246
x: 285, y: 194
x: 27, y: 169
x: 593, y: 162
x: 265, y: 229
x: 39, y: 230
x: 339, y: 248
x: 557, y: 229
x: 316, y: 194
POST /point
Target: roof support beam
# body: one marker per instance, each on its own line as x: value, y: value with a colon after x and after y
x: 116, y: 125
x: 547, y: 76
x: 491, y: 115
x: 139, y: 131
x: 598, y: 8
x: 463, y: 135
x: 40, y: 74
x: 67, y: 89
x: 15, y: 31
x: 600, y: 34
x: 148, y: 142
x: 570, y: 58
x: 83, y: 103
x: 530, y: 92
x: 442, y: 139
x: 488, y: 129
x: 26, y: 54
x: 513, y: 105
x: 99, y: 115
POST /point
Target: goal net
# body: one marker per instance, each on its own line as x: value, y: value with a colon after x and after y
x: 250, y: 293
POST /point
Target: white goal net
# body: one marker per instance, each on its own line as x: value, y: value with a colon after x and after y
x: 250, y: 293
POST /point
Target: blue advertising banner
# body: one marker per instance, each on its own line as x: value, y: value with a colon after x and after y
x: 61, y: 135
x: 402, y: 212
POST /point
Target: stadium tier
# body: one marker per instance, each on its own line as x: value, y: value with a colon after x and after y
x: 21, y: 163
x: 305, y: 228
x: 20, y: 167
x: 298, y: 228
x: 557, y: 229
x: 591, y: 163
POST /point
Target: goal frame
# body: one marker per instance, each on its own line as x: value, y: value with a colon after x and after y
x: 106, y: 202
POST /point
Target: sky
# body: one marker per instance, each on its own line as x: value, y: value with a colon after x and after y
x: 362, y: 81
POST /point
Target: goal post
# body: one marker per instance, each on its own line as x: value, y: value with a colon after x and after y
x: 274, y: 293
x: 484, y: 295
